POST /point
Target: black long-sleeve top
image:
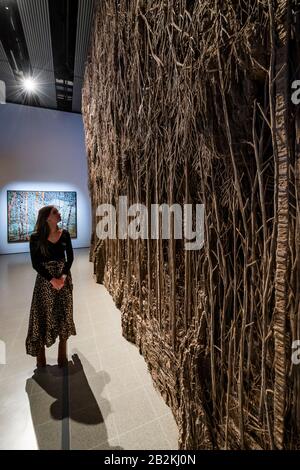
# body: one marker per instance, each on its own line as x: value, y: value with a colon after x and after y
x: 56, y: 252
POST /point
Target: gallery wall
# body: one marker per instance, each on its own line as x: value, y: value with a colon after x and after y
x: 42, y: 150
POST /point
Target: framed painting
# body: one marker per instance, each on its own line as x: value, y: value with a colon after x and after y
x: 23, y: 207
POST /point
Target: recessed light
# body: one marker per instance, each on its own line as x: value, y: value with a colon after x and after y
x: 29, y: 85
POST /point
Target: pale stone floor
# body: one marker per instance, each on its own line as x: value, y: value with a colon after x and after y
x: 105, y: 401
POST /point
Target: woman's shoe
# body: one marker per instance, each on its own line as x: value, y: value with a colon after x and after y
x: 41, y: 358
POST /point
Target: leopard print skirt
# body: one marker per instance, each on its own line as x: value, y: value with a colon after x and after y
x: 51, y: 312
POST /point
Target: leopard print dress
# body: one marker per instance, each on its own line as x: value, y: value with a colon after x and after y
x: 51, y: 311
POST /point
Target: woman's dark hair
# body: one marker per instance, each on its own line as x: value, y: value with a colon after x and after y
x: 42, y: 228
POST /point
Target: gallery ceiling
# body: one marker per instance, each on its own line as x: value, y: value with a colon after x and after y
x: 45, y: 41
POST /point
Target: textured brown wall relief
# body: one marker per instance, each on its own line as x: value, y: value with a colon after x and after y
x: 190, y: 102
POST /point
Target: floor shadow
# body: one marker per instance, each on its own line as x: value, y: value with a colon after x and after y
x: 74, y: 420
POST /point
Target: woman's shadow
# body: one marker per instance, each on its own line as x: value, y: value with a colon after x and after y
x: 74, y: 420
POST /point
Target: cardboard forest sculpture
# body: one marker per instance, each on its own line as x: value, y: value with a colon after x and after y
x: 190, y: 101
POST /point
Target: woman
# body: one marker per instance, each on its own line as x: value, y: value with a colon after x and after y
x: 51, y: 312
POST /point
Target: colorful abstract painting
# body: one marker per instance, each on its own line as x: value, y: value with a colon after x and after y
x: 23, y: 207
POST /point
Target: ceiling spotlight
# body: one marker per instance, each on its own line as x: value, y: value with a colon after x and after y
x: 29, y: 85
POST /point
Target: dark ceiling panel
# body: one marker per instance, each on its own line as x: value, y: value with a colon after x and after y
x: 63, y: 18
x: 13, y: 39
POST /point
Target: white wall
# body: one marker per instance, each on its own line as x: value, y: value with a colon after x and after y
x: 42, y: 149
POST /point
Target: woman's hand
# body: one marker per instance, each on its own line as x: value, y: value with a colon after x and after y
x: 57, y: 283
